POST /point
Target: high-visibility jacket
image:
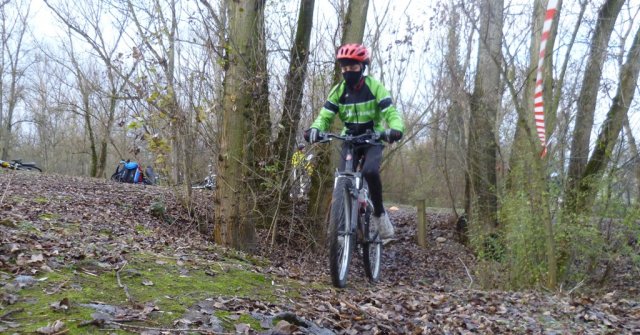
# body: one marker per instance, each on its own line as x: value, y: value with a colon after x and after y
x: 359, y: 109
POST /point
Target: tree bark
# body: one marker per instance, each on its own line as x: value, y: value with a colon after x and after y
x: 235, y: 220
x: 633, y: 147
x: 587, y: 99
x: 485, y: 102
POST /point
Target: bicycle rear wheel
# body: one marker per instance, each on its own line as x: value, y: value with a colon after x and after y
x: 31, y: 168
x: 341, y: 239
x: 371, y: 248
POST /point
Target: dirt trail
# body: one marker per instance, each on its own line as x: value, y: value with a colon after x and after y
x: 93, y: 255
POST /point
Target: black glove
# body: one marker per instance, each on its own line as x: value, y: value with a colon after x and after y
x: 392, y: 135
x: 312, y: 135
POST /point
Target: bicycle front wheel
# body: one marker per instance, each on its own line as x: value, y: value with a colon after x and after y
x: 341, y: 239
x: 371, y: 248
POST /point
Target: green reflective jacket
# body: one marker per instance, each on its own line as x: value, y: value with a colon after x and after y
x: 359, y: 109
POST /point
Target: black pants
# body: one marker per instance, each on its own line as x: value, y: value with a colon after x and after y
x: 370, y: 170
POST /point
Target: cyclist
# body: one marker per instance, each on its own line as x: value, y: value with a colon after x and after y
x: 299, y: 160
x: 362, y: 103
x: 302, y: 171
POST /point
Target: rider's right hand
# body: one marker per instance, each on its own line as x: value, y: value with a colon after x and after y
x: 312, y: 135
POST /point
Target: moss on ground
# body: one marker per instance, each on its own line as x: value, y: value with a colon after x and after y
x: 171, y: 284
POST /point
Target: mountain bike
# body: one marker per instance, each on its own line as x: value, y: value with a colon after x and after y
x: 301, y: 178
x: 208, y: 183
x: 350, y: 216
x: 18, y: 164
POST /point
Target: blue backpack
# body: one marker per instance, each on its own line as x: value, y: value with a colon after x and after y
x: 128, y: 172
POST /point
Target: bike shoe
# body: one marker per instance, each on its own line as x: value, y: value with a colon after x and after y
x: 384, y: 226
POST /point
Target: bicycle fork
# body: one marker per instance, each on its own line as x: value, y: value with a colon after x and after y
x: 351, y: 205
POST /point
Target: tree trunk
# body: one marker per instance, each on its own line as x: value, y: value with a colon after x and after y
x: 353, y: 28
x: 457, y: 112
x: 294, y: 91
x: 587, y: 99
x: 235, y: 220
x: 608, y: 136
x: 263, y: 160
x: 86, y: 114
x: 633, y: 147
x: 322, y: 183
x: 104, y: 142
x: 485, y: 102
x: 527, y: 168
x: 295, y: 81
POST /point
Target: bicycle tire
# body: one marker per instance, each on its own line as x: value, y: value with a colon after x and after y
x: 371, y: 248
x: 115, y: 176
x: 341, y: 239
x: 31, y: 168
x: 197, y: 186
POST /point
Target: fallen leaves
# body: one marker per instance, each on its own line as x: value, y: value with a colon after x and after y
x: 54, y: 328
x: 61, y: 306
x: 421, y: 290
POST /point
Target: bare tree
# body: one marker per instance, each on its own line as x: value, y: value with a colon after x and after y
x: 117, y: 77
x: 295, y: 81
x: 294, y: 91
x: 588, y: 96
x: 157, y: 26
x: 611, y: 127
x: 12, y: 64
x: 485, y: 102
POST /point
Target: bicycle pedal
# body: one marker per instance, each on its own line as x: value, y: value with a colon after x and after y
x: 389, y: 241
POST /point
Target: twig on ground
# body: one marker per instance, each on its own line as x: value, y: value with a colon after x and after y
x: 468, y: 274
x: 57, y: 288
x: 124, y: 287
x: 168, y: 330
x: 9, y: 313
x: 356, y: 308
x: 576, y: 287
x: 89, y: 273
x: 6, y: 189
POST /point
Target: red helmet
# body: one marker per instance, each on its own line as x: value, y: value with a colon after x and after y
x: 356, y: 52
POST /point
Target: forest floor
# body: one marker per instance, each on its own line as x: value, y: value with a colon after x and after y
x: 90, y: 256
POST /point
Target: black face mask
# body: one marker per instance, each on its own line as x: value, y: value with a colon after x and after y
x: 352, y: 78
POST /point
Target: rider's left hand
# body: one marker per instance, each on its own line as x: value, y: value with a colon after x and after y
x: 392, y: 135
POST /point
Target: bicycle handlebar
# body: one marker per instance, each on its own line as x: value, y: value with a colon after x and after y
x: 368, y: 137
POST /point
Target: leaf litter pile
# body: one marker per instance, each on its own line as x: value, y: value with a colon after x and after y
x: 81, y: 255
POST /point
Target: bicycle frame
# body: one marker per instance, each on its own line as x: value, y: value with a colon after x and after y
x: 357, y: 195
x: 349, y: 222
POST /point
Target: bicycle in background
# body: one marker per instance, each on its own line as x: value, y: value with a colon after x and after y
x: 302, y: 169
x: 18, y: 164
x: 209, y: 182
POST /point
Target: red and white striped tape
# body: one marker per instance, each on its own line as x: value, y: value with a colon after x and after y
x: 538, y: 101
